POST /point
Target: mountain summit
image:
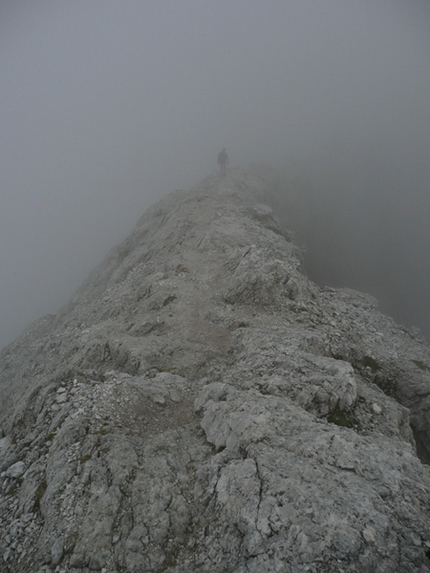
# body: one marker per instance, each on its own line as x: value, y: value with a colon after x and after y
x: 201, y: 406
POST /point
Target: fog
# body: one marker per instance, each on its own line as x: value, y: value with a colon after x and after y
x: 105, y: 106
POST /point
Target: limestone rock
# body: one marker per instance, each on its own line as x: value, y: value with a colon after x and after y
x: 15, y: 470
x: 201, y: 406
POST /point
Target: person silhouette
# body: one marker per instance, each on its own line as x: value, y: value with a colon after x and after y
x: 223, y: 161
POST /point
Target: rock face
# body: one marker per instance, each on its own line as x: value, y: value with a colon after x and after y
x: 201, y: 406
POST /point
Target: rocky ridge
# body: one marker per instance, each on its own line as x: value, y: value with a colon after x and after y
x: 201, y: 406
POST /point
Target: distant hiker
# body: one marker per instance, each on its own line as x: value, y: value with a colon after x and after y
x: 223, y: 161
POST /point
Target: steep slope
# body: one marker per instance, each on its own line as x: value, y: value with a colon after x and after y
x: 201, y: 406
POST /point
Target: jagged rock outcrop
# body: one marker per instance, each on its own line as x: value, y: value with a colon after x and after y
x: 201, y: 406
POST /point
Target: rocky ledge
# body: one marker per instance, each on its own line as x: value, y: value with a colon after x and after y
x: 201, y: 406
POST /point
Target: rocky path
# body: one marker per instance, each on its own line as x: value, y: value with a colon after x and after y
x: 201, y: 406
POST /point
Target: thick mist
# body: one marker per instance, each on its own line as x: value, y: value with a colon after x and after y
x: 105, y: 106
x: 362, y: 215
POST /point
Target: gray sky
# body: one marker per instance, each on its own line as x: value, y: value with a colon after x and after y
x: 106, y: 105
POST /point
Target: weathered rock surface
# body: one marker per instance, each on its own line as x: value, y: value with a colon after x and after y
x: 201, y: 406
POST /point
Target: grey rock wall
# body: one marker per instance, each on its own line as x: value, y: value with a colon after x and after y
x: 201, y: 406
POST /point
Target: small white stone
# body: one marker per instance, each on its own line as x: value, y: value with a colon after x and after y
x: 376, y: 409
x: 369, y: 534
